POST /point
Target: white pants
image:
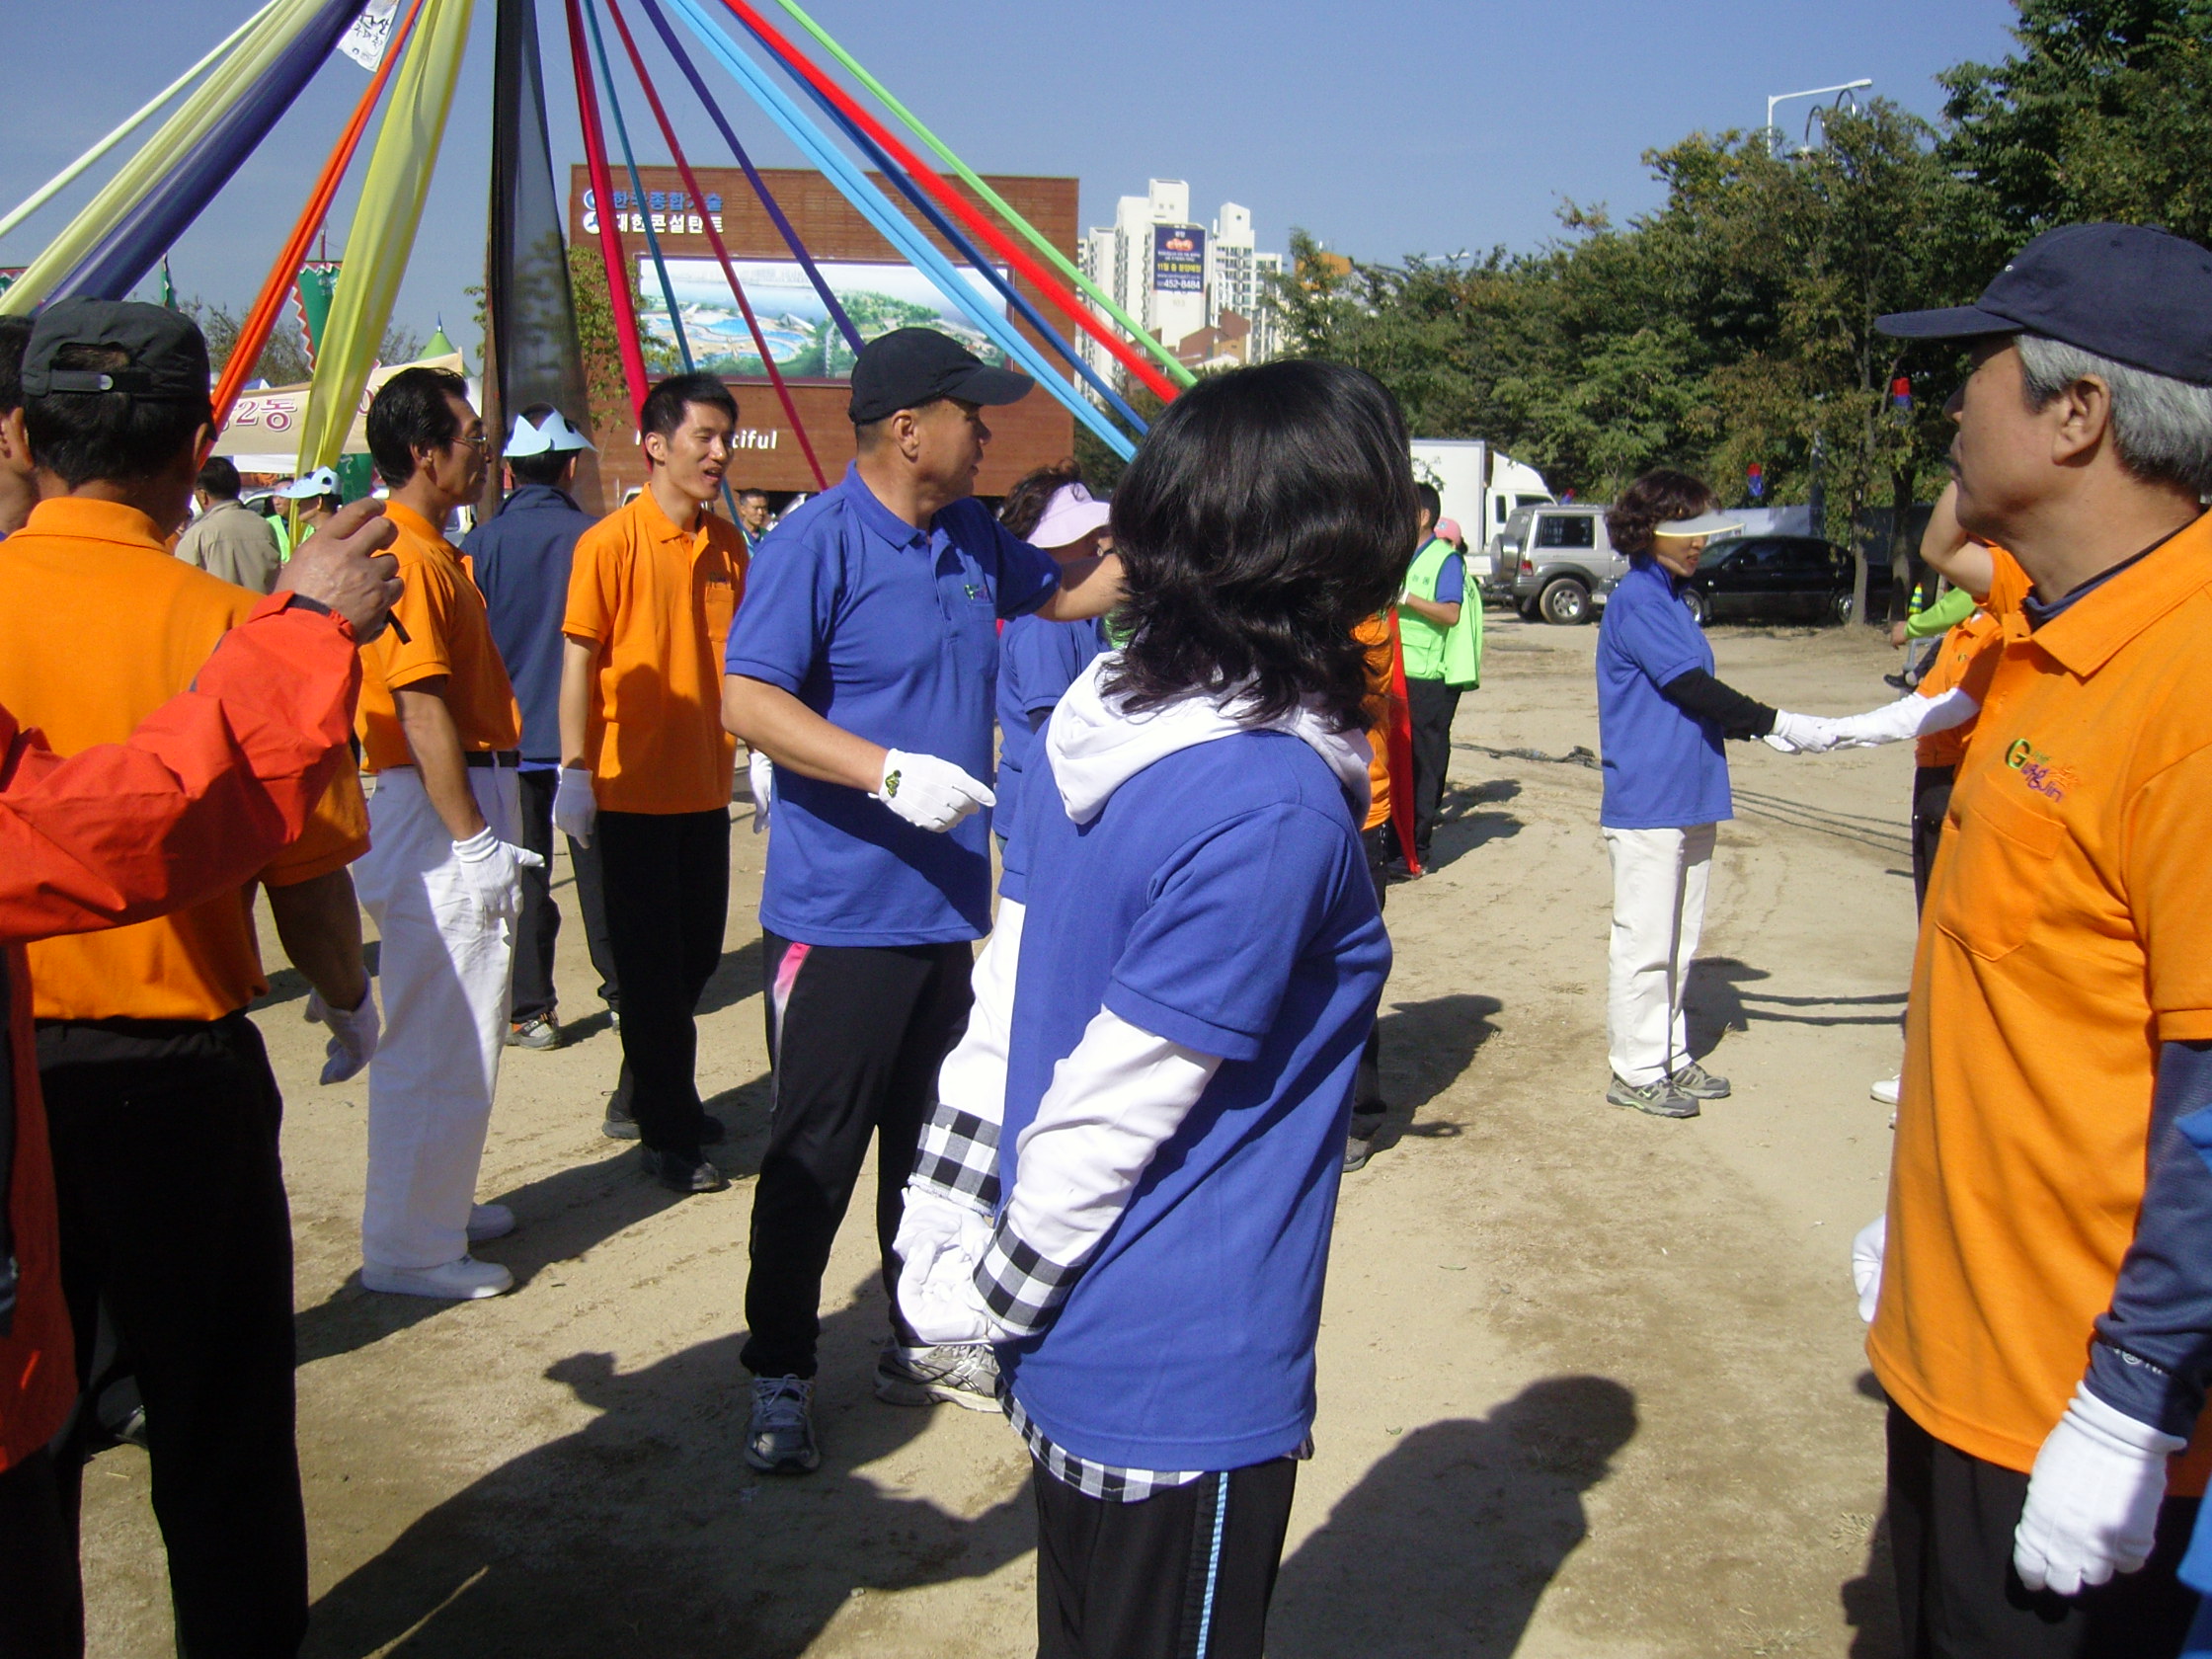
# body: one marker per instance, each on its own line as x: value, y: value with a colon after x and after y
x: 1658, y: 909
x: 447, y: 976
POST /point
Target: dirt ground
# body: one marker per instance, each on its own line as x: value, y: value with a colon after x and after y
x: 1591, y: 1383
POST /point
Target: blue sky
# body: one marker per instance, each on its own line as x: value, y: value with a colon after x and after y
x: 1411, y: 125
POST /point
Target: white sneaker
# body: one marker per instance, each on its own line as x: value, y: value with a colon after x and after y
x: 461, y: 1280
x: 487, y: 1221
x: 1886, y: 1090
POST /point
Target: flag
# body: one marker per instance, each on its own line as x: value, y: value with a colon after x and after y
x: 365, y: 41
x: 167, y: 286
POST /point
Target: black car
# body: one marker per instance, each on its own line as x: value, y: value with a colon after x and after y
x: 1775, y: 578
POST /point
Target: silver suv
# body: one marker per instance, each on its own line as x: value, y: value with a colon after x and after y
x: 1557, y: 561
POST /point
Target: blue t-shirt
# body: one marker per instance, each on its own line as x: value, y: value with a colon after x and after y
x: 522, y: 560
x: 1451, y: 580
x: 1664, y: 769
x: 1038, y: 661
x: 891, y: 633
x: 1221, y: 899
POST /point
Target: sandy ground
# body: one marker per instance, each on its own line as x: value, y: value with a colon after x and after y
x: 1591, y: 1383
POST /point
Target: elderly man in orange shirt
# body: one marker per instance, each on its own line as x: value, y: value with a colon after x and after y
x: 2043, y: 1309
x: 444, y: 877
x: 646, y: 765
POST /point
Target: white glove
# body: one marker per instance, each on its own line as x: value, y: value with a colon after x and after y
x: 760, y: 784
x: 493, y: 870
x: 2093, y: 1500
x: 939, y: 1245
x: 353, y: 1036
x: 1802, y: 734
x: 574, y: 808
x: 1867, y: 1247
x: 929, y: 793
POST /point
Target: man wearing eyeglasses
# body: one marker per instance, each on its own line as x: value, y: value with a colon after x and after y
x: 443, y: 875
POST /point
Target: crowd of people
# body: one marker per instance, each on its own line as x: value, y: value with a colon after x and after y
x: 1108, y: 1148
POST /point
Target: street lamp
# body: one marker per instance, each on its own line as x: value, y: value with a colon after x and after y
x: 1811, y: 92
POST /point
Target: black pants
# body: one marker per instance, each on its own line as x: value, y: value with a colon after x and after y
x: 1431, y: 704
x: 668, y: 901
x: 855, y: 1035
x: 1932, y: 799
x: 1367, y: 1083
x: 171, y: 1195
x: 1185, y: 1574
x: 1950, y: 1534
x: 41, y: 1610
x: 540, y: 923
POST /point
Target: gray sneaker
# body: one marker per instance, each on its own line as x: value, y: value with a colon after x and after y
x: 963, y: 1373
x: 1699, y: 1083
x: 1660, y: 1098
x: 779, y: 1440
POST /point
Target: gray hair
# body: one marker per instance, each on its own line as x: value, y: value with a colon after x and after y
x: 2161, y: 427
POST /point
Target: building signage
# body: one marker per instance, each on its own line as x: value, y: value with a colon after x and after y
x: 1178, y: 258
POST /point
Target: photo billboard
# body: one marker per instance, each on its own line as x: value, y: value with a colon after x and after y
x: 878, y: 296
x: 1178, y: 258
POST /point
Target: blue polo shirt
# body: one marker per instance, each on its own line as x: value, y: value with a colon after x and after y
x: 890, y: 632
x: 1664, y: 769
x: 1038, y: 661
x: 1221, y: 899
x: 520, y: 560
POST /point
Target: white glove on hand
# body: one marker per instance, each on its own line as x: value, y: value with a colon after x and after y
x: 1802, y: 734
x: 760, y: 784
x: 929, y: 793
x: 353, y: 1036
x: 574, y: 808
x: 939, y: 1245
x: 2093, y: 1500
x: 1866, y: 1248
x: 493, y: 871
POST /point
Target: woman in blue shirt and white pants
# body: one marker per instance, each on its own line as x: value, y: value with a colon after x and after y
x: 1661, y: 719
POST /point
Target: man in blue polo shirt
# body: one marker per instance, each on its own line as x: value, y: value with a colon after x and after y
x: 521, y: 561
x: 863, y: 665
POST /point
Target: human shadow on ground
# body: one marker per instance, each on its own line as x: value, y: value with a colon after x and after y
x: 1871, y: 1600
x: 643, y: 1533
x: 1462, y: 824
x: 289, y: 984
x: 558, y: 1216
x: 735, y: 976
x: 1715, y: 1004
x: 1426, y: 1046
x: 1448, y: 1543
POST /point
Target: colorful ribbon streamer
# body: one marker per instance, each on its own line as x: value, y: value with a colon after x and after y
x: 385, y: 220
x: 800, y: 66
x: 144, y: 171
x: 714, y: 237
x: 753, y: 175
x: 610, y: 232
x: 62, y: 180
x: 268, y: 305
x: 966, y: 176
x: 637, y: 187
x: 894, y: 227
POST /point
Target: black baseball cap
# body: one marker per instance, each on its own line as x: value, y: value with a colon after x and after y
x: 2137, y: 295
x: 911, y: 366
x: 168, y: 355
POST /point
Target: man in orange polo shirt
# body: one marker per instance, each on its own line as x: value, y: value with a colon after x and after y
x: 444, y: 878
x: 646, y: 765
x: 2047, y: 1204
x: 163, y: 1113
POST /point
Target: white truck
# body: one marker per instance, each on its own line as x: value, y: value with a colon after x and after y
x: 1481, y: 489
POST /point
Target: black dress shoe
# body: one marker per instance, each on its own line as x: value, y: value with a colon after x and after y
x: 619, y: 1125
x: 682, y: 1172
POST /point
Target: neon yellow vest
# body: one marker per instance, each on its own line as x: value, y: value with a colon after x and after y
x: 1453, y: 655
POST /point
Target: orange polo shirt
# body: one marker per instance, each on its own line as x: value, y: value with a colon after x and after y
x: 1374, y: 634
x: 99, y: 628
x: 449, y: 634
x: 655, y: 603
x: 1966, y: 661
x: 2063, y: 942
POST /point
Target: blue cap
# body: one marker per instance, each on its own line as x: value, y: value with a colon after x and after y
x: 2137, y: 295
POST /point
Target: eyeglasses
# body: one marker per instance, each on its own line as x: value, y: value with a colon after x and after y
x: 480, y: 442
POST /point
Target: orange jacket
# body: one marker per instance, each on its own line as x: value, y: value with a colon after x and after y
x: 207, y: 789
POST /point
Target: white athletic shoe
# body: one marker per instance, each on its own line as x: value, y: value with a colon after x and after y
x: 463, y: 1279
x: 487, y: 1221
x: 1886, y: 1090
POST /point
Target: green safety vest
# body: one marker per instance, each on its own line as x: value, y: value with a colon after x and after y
x: 1453, y: 655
